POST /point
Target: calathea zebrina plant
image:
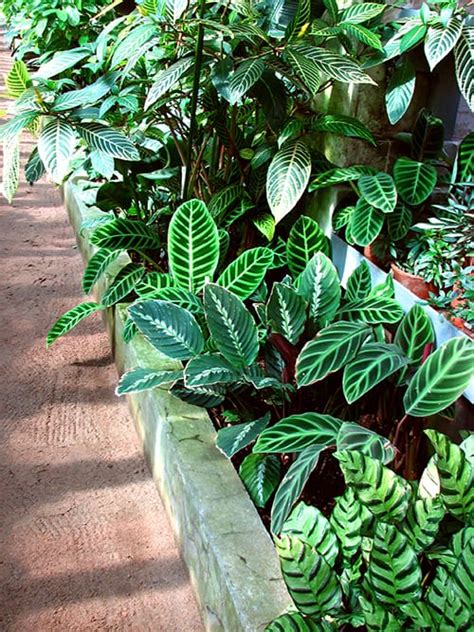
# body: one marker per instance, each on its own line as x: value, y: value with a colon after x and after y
x: 391, y: 556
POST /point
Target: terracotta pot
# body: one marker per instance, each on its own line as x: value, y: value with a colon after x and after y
x: 414, y: 283
x: 369, y: 254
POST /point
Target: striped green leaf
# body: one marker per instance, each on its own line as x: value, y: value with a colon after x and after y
x: 413, y: 335
x: 319, y: 284
x: 363, y: 34
x: 464, y: 56
x: 292, y: 485
x: 422, y: 522
x: 203, y: 396
x: 463, y: 579
x: 181, y: 298
x: 129, y: 331
x: 428, y: 136
x: 309, y: 525
x: 342, y: 217
x: 248, y: 73
x: 400, y: 90
x: 56, y: 147
x: 358, y: 13
x: 338, y: 175
x: 346, y: 520
x: 359, y: 284
x: 352, y: 436
x: 415, y: 180
x: 383, y: 492
x: 167, y: 79
x: 138, y: 380
x: 335, y: 66
x: 17, y: 124
x: 134, y: 40
x: 465, y: 159
x: 296, y: 622
x: 265, y: 223
x: 379, y: 191
x: 297, y: 432
x: 286, y: 311
x: 193, y: 245
x: 85, y: 96
x: 34, y: 168
x: 152, y: 283
x: 365, y: 223
x: 444, y: 600
x: 70, y: 319
x: 223, y: 200
x: 245, y: 274
x: 234, y: 438
x: 377, y: 618
x: 399, y: 222
x: 108, y: 140
x: 17, y: 79
x: 311, y: 582
x: 305, y: 240
x: 456, y: 476
x: 306, y: 70
x: 260, y: 474
x: 373, y: 311
x: 413, y: 37
x: 288, y: 177
x: 211, y: 368
x: 329, y: 351
x: 441, y: 39
x: 441, y: 379
x: 394, y: 573
x: 96, y: 266
x: 374, y: 363
x: 125, y: 234
x: 343, y: 125
x: 231, y: 325
x: 171, y: 329
x: 123, y: 284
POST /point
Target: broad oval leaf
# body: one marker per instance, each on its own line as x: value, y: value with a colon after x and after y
x: 125, y: 234
x: 234, y: 438
x: 441, y: 379
x: 231, y: 325
x: 365, y: 223
x: 309, y: 524
x: 193, y: 245
x: 260, y: 474
x: 295, y: 622
x: 383, y: 492
x: 379, y: 191
x: 171, y: 329
x: 56, y: 147
x: 207, y: 369
x: 338, y: 175
x: 399, y: 222
x: 70, y: 319
x: 305, y: 69
x: 359, y: 284
x: 108, y: 140
x: 152, y: 283
x: 422, y: 522
x: 167, y: 79
x: 245, y: 274
x: 297, y: 432
x: 373, y: 311
x: 138, y: 380
x: 343, y: 125
x: 248, y: 73
x: 330, y: 351
x: 319, y: 284
x: 353, y: 436
x: 415, y: 180
x: 413, y: 335
x: 400, y: 91
x: 288, y: 177
x: 440, y: 40
x: 305, y: 240
x: 123, y: 284
x: 292, y: 485
x: 464, y: 55
x: 362, y: 12
x: 17, y: 79
x: 286, y: 311
x: 339, y: 67
x: 394, y: 573
x: 374, y: 363
x: 311, y: 582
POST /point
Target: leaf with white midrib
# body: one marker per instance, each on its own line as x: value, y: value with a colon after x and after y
x: 123, y: 284
x: 379, y: 190
x: 464, y: 55
x: 245, y: 274
x: 108, y: 140
x: 260, y: 474
x: 305, y: 239
x: 286, y: 311
x: 167, y: 79
x: 400, y: 91
x: 70, y: 319
x: 287, y: 177
x: 96, y: 266
x: 441, y: 39
x: 124, y: 234
x: 234, y: 438
x: 138, y: 380
x: 248, y: 73
x: 56, y: 147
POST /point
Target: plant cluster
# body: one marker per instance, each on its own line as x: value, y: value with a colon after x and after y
x: 198, y: 128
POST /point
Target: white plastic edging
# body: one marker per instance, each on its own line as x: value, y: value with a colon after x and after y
x: 346, y: 259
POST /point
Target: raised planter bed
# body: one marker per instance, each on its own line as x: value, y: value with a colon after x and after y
x: 346, y: 259
x: 231, y: 558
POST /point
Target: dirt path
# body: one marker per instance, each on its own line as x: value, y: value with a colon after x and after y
x: 84, y: 540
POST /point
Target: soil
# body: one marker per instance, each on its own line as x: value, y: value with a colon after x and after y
x: 84, y: 541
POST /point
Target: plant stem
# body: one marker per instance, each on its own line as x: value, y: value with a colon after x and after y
x: 194, y: 100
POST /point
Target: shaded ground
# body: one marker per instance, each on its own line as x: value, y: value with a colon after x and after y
x: 84, y: 540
